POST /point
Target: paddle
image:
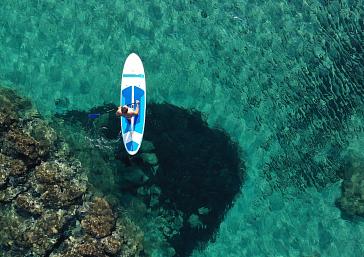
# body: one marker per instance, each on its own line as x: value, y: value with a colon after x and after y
x: 96, y: 115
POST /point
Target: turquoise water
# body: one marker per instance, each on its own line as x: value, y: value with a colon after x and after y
x: 284, y: 79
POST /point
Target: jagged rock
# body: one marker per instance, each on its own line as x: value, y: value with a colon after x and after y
x: 25, y: 202
x: 52, y: 173
x: 86, y: 247
x: 9, y: 98
x: 4, y: 170
x: 4, y: 175
x: 11, y: 192
x: 79, y: 247
x: 123, y: 239
x: 8, y: 116
x: 10, y: 226
x: 90, y: 249
x: 7, y: 119
x: 19, y: 144
x: 98, y: 226
x: 42, y: 235
x: 17, y: 168
x: 131, y: 237
x: 43, y: 133
x: 62, y: 196
x: 59, y: 184
x: 10, y: 168
x: 42, y: 189
x: 99, y: 220
x: 111, y: 244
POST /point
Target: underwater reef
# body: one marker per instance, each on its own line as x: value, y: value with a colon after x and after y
x: 46, y: 205
x: 351, y: 201
x: 177, y: 188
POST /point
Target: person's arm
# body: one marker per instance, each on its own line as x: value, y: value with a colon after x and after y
x: 119, y: 113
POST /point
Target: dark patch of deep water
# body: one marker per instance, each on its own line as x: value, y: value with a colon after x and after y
x: 199, y: 169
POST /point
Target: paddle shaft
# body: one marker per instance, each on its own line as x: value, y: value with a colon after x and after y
x: 96, y: 115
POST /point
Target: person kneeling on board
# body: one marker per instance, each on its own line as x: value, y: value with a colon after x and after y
x: 128, y: 112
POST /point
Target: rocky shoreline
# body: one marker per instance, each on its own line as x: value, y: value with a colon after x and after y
x: 46, y: 205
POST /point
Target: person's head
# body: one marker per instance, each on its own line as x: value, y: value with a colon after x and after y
x: 124, y: 110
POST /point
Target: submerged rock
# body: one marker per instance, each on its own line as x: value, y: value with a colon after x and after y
x: 195, y: 222
x: 46, y: 206
x: 78, y: 247
x: 12, y: 178
x: 7, y: 119
x: 102, y: 234
x: 4, y: 170
x: 20, y: 145
x: 176, y: 174
x: 60, y: 184
x: 44, y: 233
x: 149, y: 158
x: 147, y: 147
x: 8, y: 116
x: 131, y: 237
x: 22, y: 134
x: 3, y: 177
x: 99, y: 220
x: 17, y: 168
x: 10, y: 193
x: 25, y: 202
x: 10, y: 228
x: 43, y: 133
x: 112, y: 244
x: 351, y: 201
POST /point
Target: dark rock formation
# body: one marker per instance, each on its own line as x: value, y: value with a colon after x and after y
x: 177, y: 187
x: 46, y: 208
x: 25, y: 202
x: 17, y: 144
x: 101, y: 234
x: 59, y: 183
x: 99, y: 221
x: 351, y: 201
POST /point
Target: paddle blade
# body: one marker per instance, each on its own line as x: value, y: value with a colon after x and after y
x: 93, y: 115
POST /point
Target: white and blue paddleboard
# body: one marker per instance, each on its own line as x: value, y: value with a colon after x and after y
x: 133, y: 88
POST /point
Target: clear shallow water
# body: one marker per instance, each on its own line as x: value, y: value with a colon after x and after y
x: 283, y: 79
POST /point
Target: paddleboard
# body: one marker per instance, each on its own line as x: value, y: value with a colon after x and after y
x: 133, y: 88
